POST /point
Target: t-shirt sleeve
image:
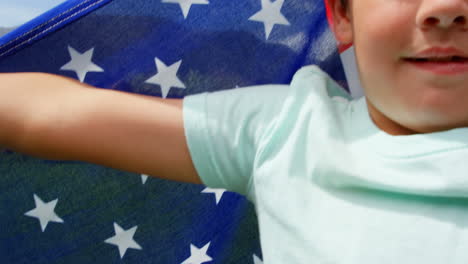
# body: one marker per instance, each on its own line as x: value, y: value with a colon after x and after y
x: 224, y: 131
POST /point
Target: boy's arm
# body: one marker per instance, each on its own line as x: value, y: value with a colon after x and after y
x: 59, y: 118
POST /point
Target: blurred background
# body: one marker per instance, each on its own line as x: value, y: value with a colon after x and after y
x: 13, y: 13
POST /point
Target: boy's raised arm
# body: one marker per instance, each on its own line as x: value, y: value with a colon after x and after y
x: 59, y: 118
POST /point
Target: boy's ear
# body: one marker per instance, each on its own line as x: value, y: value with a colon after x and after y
x: 341, y: 26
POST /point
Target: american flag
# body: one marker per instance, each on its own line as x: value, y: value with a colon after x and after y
x: 76, y: 212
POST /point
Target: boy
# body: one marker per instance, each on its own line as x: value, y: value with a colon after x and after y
x: 381, y: 179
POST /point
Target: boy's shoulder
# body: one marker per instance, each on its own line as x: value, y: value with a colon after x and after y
x: 315, y: 101
x: 312, y: 80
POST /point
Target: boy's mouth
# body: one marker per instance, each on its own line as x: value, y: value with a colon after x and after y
x: 448, y: 65
x: 453, y: 59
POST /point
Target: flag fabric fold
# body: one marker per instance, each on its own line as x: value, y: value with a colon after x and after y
x: 76, y: 212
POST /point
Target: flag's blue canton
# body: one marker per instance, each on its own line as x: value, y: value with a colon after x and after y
x: 74, y: 212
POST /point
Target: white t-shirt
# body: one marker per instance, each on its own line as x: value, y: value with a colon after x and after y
x: 328, y: 186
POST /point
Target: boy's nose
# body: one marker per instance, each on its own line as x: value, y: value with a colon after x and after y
x: 443, y: 14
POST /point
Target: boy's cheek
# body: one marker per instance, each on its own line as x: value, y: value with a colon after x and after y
x: 387, y: 21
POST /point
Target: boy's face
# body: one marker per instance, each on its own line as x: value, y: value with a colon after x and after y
x: 405, y: 96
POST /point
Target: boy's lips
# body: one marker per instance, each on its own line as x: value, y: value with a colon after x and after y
x: 440, y: 52
x: 438, y: 60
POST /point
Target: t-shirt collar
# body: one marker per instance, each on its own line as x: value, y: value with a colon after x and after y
x: 363, y: 128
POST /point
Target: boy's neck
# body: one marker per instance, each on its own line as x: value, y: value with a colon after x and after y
x: 386, y: 124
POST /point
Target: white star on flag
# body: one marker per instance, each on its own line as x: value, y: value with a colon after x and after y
x: 198, y: 255
x: 123, y: 239
x: 44, y: 212
x: 81, y: 63
x: 166, y: 77
x: 270, y: 15
x: 217, y: 192
x: 144, y: 177
x: 257, y: 260
x: 185, y: 5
